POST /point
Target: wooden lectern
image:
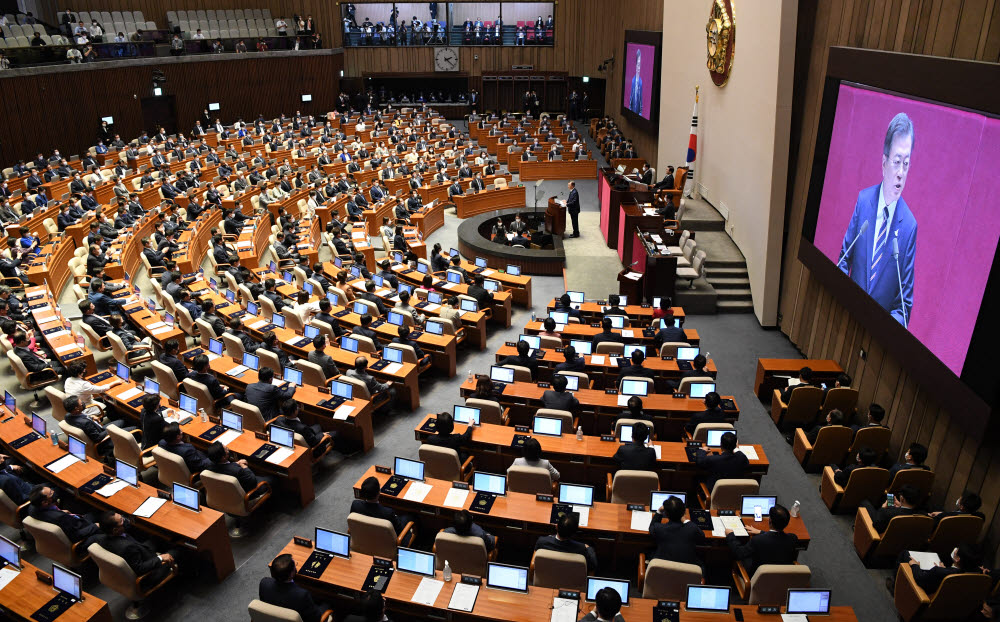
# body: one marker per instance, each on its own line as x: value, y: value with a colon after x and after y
x: 555, y: 217
x: 630, y: 287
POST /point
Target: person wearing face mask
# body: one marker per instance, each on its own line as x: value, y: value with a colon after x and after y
x: 966, y: 559
x: 966, y: 505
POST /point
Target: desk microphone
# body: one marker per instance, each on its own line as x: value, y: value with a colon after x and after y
x: 634, y: 264
x: 864, y: 227
x: 899, y: 278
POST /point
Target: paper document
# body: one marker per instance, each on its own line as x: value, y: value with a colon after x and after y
x: 487, y: 272
x: 641, y: 520
x: 257, y: 324
x: 343, y: 411
x: 597, y: 359
x: 748, y: 451
x: 149, y: 507
x: 657, y: 449
x: 463, y: 598
x: 427, y: 592
x: 559, y: 327
x: 127, y: 395
x: 7, y: 574
x: 635, y: 276
x: 416, y: 491
x: 718, y: 529
x: 450, y: 285
x: 155, y: 325
x: 58, y: 333
x: 45, y: 319
x: 563, y: 610
x: 112, y: 488
x: 236, y: 371
x: 794, y: 381
x: 45, y: 307
x: 456, y: 498
x: 279, y: 456
x: 623, y: 399
x: 927, y: 560
x: 584, y: 514
x: 62, y: 463
x: 735, y: 523
x: 627, y: 333
x: 794, y: 617
x: 655, y: 237
x: 160, y: 331
x: 381, y: 292
x: 431, y: 307
x: 392, y: 368
x: 67, y: 348
x: 228, y: 437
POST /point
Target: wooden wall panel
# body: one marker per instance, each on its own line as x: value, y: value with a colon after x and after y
x: 65, y: 108
x: 810, y: 316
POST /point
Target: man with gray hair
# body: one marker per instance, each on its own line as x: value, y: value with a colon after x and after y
x: 880, y: 243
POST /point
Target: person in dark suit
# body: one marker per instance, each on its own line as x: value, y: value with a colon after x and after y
x: 729, y: 464
x: 573, y: 207
x: 636, y: 368
x: 201, y: 373
x: 281, y: 590
x: 169, y: 358
x: 613, y: 309
x: 606, y: 335
x: 44, y: 506
x: 267, y: 397
x: 314, y: 435
x: 222, y: 464
x: 173, y: 441
x: 608, y: 605
x: 372, y: 608
x: 522, y: 359
x: 563, y: 541
x: 915, y: 457
x: 881, y: 236
x: 876, y: 414
x: 142, y: 558
x: 369, y: 506
x: 445, y: 436
x: 833, y: 418
x: 464, y: 525
x: 558, y: 397
x: 209, y: 315
x: 964, y: 559
x: 668, y: 333
x: 151, y: 421
x: 318, y: 356
x: 667, y: 183
x: 100, y: 325
x: 483, y: 297
x: 634, y: 455
x: 675, y: 540
x: 865, y: 457
x: 33, y: 362
x: 91, y: 425
x: 565, y: 305
x: 572, y: 362
x: 966, y: 505
x: 11, y: 482
x: 805, y: 380
x: 904, y: 503
x: 635, y: 91
x: 766, y: 547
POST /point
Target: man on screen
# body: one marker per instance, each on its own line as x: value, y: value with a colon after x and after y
x: 635, y: 99
x: 882, y: 234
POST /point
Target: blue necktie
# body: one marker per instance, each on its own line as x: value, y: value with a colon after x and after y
x: 880, y: 238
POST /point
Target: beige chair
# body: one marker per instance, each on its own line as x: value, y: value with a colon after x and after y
x: 727, y: 493
x: 123, y: 356
x: 72, y: 430
x: 312, y: 374
x: 628, y: 486
x: 669, y: 348
x: 375, y: 536
x: 619, y: 423
x: 114, y: 572
x: 569, y: 423
x: 262, y: 612
x: 234, y: 346
x: 549, y: 342
x: 167, y: 380
x: 465, y: 554
x: 444, y: 463
x: 326, y: 329
x: 224, y: 493
x: 908, y: 532
x: 253, y: 420
x: 701, y: 432
x: 584, y: 379
x: 12, y: 514
x: 770, y: 582
x: 685, y: 385
x: 610, y: 347
x: 558, y: 570
x: 200, y: 392
x: 205, y: 331
x: 529, y: 480
x: 863, y: 483
x: 521, y: 374
x: 171, y: 469
x: 269, y: 359
x: 372, y: 309
x: 959, y: 596
x: 186, y: 322
x: 666, y: 580
x: 99, y: 344
x: 51, y: 541
x: 127, y: 449
x: 844, y: 399
x: 489, y: 411
x: 56, y: 397
x: 801, y: 409
x: 830, y: 447
x: 31, y: 380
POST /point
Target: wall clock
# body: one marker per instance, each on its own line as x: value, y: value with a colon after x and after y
x: 445, y: 59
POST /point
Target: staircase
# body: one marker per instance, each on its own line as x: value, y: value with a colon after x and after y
x: 731, y: 283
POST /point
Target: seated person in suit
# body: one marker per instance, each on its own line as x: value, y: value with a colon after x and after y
x: 91, y: 425
x: 613, y: 308
x: 133, y: 344
x: 484, y: 297
x: 876, y: 413
x: 44, y: 506
x: 665, y: 309
x: 713, y: 413
x: 636, y: 368
x: 169, y: 358
x: 531, y: 456
x: 173, y: 441
x: 766, y: 547
x: 865, y: 457
x: 270, y: 344
x: 634, y: 455
x: 558, y: 397
x: 805, y: 380
x: 463, y: 525
x: 522, y: 359
x: 372, y: 609
x: 964, y: 559
x: 266, y: 396
x: 141, y: 557
x: 369, y: 506
x: 729, y: 464
x: 202, y: 374
x: 151, y: 421
x: 445, y: 436
x: 280, y: 590
x: 676, y: 540
x: 565, y: 305
x: 563, y: 541
x: 633, y: 409
x: 915, y: 457
x: 318, y: 356
x: 669, y: 333
x: 403, y: 338
x: 608, y: 605
x: 11, y: 481
x: 966, y: 505
x: 904, y: 503
x: 223, y: 464
x: 314, y: 436
x: 363, y: 329
x: 572, y: 362
x: 375, y: 387
x: 833, y: 418
x: 606, y: 335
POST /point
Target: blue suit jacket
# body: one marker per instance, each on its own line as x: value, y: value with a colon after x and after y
x: 635, y: 98
x: 885, y: 288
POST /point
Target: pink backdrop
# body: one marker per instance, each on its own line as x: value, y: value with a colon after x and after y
x: 951, y: 188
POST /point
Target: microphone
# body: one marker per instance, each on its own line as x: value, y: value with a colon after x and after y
x: 864, y: 227
x: 899, y: 278
x: 634, y: 264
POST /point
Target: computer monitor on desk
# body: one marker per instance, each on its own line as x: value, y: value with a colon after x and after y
x: 505, y: 577
x: 576, y: 494
x: 596, y: 584
x: 707, y: 598
x: 658, y: 497
x: 582, y: 347
x: 714, y: 437
x: 333, y: 542
x: 808, y: 602
x: 416, y: 562
x: 489, y: 482
x: 701, y: 389
x: 410, y: 469
x: 561, y: 317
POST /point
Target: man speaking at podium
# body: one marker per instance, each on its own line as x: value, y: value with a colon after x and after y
x: 635, y: 98
x: 880, y: 243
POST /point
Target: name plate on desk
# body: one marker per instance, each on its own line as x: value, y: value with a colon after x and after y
x: 54, y: 608
x: 695, y: 444
x: 469, y: 579
x: 302, y: 541
x: 520, y: 428
x: 727, y: 512
x: 544, y: 385
x: 383, y: 469
x: 611, y: 391
x: 569, y: 594
x: 394, y: 486
x: 636, y: 507
x: 679, y: 396
x: 71, y: 356
x: 544, y: 498
x: 483, y: 502
x: 315, y: 564
x: 510, y: 343
x: 260, y: 436
x: 595, y: 325
x: 608, y: 438
x: 769, y: 610
x: 667, y: 357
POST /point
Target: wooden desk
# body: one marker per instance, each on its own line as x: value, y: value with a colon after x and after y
x: 570, y: 169
x: 61, y: 341
x: 26, y: 594
x: 501, y: 299
x: 768, y: 370
x: 429, y: 220
x: 519, y: 286
x: 467, y: 205
x: 659, y: 267
x: 204, y: 531
x: 611, y: 200
x: 586, y: 332
x: 632, y: 215
x: 641, y: 314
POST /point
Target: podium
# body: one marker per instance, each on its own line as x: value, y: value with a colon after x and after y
x: 630, y: 287
x: 555, y: 217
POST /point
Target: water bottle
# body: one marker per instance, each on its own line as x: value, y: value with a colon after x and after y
x: 532, y: 315
x: 55, y: 437
x: 204, y: 415
x: 795, y: 508
x: 470, y: 376
x: 579, y: 432
x: 446, y: 573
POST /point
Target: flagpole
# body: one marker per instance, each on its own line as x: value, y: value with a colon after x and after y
x: 691, y: 186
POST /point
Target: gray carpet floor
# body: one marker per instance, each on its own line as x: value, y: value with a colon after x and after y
x: 734, y: 341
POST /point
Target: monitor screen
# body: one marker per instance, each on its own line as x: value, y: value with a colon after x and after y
x: 10, y: 552
x: 707, y: 598
x: 395, y: 318
x: 397, y: 257
x: 126, y: 472
x: 349, y: 343
x: 403, y: 287
x: 687, y: 354
x: 502, y: 374
x: 676, y: 323
x: 111, y: 120
x: 38, y: 424
x: 582, y: 347
x: 622, y: 300
x: 470, y: 306
x: 480, y: 262
x: 572, y: 382
x: 292, y: 375
x: 213, y: 106
x: 185, y: 497
x: 307, y: 98
x: 625, y: 432
x: 333, y: 542
x: 534, y: 341
x: 490, y: 285
x: 635, y: 387
x: 355, y: 272
x: 360, y: 308
x: 576, y: 297
x: 513, y: 270
x: 215, y: 347
x: 507, y: 577
x: 576, y: 494
x: 232, y: 420
x: 658, y: 497
x: 466, y: 415
x: 77, y: 447
x: 283, y: 437
x: 454, y: 277
x: 393, y: 355
x: 273, y: 267
x: 561, y: 317
x: 417, y: 562
x: 9, y: 402
x: 640, y: 78
x: 453, y: 252
x: 188, y: 403
x: 596, y: 584
x: 617, y: 321
x: 808, y: 602
x: 332, y: 298
x: 434, y: 327
x: 714, y: 438
x: 310, y: 331
x: 278, y: 320
x: 168, y: 319
x: 751, y: 502
x: 410, y: 469
x: 629, y: 350
x: 252, y: 308
x: 122, y: 371
x: 489, y: 482
x: 700, y: 389
x: 151, y: 386
x: 230, y: 295
x: 547, y: 425
x: 435, y: 297
x: 377, y: 280
x: 342, y: 389
x: 422, y: 268
x: 67, y: 581
x: 251, y: 361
